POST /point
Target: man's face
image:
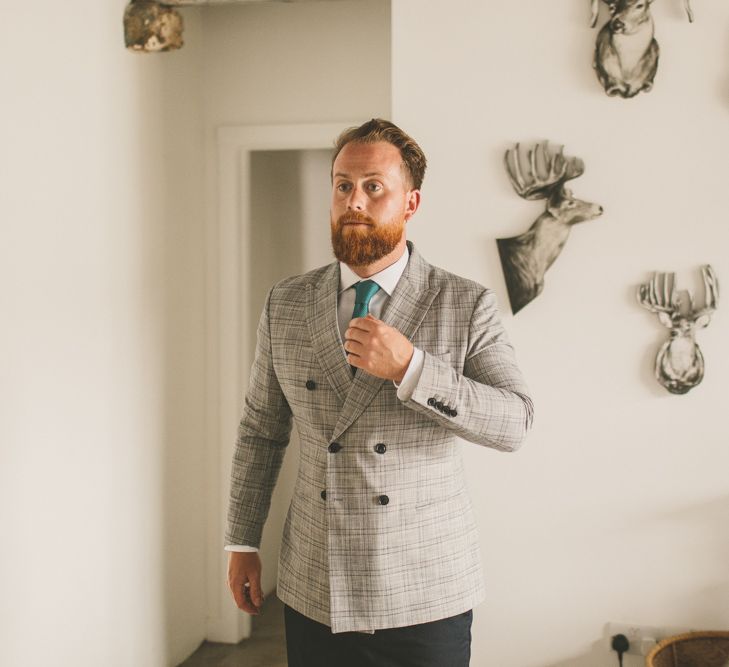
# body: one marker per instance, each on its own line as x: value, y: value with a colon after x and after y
x: 371, y: 202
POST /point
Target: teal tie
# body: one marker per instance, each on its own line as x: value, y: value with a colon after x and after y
x: 365, y: 290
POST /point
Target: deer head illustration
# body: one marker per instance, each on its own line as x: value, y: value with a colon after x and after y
x: 679, y: 363
x: 626, y: 52
x: 541, y: 174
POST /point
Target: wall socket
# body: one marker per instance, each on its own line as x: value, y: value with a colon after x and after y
x: 642, y: 638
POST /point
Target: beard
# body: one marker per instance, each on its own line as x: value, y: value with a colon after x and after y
x: 360, y: 246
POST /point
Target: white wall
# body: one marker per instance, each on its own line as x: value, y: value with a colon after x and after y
x: 617, y: 507
x: 296, y: 63
x: 102, y: 273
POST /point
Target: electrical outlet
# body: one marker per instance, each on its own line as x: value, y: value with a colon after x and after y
x: 642, y: 638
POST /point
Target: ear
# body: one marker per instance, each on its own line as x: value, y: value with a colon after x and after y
x: 412, y: 203
x: 702, y: 321
x: 555, y: 198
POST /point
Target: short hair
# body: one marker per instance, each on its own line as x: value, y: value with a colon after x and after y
x: 377, y: 129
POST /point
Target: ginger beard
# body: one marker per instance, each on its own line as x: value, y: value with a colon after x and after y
x: 357, y: 245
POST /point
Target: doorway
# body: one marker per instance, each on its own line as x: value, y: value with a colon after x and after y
x: 270, y: 193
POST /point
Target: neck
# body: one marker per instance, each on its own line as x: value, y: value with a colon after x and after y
x: 368, y: 270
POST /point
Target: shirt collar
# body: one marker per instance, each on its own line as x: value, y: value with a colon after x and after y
x: 387, y: 279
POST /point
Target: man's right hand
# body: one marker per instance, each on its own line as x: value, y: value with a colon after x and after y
x: 244, y: 580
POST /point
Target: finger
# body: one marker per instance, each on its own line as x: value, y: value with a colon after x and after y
x: 236, y: 588
x: 361, y: 323
x: 353, y: 334
x: 357, y: 360
x: 256, y: 595
x: 242, y: 596
x: 352, y: 346
x: 243, y: 600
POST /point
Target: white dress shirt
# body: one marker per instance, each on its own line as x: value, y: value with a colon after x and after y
x: 387, y: 279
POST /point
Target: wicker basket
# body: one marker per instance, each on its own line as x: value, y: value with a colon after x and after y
x: 694, y: 649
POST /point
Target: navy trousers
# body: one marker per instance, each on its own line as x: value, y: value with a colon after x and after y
x: 443, y: 643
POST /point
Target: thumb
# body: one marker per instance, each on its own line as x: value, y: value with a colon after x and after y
x: 370, y: 316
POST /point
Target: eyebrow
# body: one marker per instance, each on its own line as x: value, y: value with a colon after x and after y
x: 370, y: 174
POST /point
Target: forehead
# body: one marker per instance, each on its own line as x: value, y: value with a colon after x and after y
x: 357, y: 159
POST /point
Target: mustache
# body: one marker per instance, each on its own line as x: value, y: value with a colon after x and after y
x: 354, y: 216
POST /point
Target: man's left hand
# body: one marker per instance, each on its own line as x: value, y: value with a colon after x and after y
x: 377, y: 348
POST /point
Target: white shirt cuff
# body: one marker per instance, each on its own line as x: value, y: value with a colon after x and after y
x: 240, y: 547
x: 410, y: 380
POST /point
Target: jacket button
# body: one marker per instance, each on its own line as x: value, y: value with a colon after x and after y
x: 310, y: 384
x: 380, y: 447
x: 323, y: 494
x: 431, y: 401
x: 334, y: 447
x: 383, y: 500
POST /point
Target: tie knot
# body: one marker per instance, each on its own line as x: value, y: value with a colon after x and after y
x: 364, y: 291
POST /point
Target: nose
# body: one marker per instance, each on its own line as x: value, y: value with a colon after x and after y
x: 355, y: 201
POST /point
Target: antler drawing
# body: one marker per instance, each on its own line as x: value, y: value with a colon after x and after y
x: 540, y: 174
x: 626, y: 53
x: 679, y: 363
x: 596, y: 9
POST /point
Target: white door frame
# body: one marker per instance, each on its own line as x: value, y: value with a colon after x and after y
x: 227, y: 356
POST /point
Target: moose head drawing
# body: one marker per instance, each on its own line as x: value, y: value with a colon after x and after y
x: 541, y: 174
x: 679, y: 363
x: 626, y: 53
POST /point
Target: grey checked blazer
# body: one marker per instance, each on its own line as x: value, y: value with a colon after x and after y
x: 380, y: 532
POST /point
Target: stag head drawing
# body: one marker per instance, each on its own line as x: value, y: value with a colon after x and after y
x: 540, y: 174
x: 679, y: 363
x: 626, y: 53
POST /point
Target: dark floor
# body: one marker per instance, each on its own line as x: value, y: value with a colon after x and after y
x: 265, y: 648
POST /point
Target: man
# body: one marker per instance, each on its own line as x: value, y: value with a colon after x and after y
x: 379, y: 562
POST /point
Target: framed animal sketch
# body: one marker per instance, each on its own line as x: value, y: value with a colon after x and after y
x: 540, y: 172
x: 679, y: 362
x: 626, y: 52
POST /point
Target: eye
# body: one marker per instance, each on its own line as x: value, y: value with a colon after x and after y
x: 373, y: 187
x: 343, y: 187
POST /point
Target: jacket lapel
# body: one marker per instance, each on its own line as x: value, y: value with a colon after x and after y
x: 327, y: 344
x: 404, y: 311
